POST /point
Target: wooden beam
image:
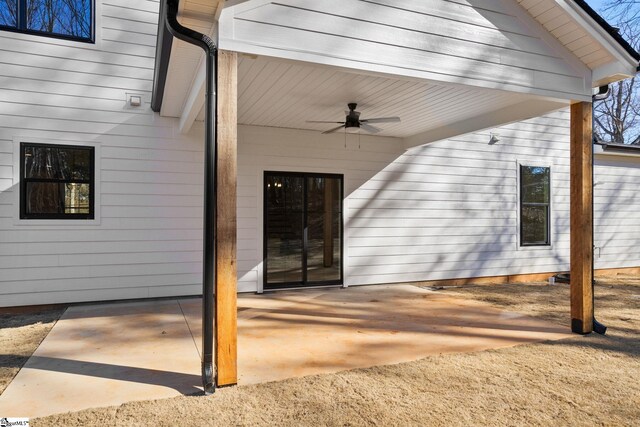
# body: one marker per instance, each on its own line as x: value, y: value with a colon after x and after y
x: 226, y: 267
x: 581, y: 214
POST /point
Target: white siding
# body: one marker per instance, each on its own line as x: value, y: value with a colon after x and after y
x: 488, y: 43
x: 440, y: 211
x: 146, y: 241
x: 617, y: 203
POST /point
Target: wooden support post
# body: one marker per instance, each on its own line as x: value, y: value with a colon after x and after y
x: 226, y: 269
x: 581, y: 219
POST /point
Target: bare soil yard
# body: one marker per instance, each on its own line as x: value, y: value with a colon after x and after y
x: 591, y: 380
x: 20, y: 334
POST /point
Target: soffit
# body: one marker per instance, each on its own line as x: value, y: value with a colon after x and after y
x: 198, y: 15
x: 573, y: 36
x: 282, y: 93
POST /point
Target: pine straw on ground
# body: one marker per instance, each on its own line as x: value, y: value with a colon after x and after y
x: 591, y: 380
x: 20, y: 334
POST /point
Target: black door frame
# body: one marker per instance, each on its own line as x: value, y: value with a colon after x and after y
x: 305, y: 244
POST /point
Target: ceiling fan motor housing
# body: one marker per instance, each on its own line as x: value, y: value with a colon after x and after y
x: 352, y: 120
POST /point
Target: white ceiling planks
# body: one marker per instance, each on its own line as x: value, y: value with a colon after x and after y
x: 282, y: 93
x: 571, y: 35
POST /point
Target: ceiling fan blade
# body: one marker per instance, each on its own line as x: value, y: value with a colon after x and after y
x: 369, y: 128
x: 382, y: 120
x: 321, y: 121
x: 333, y: 130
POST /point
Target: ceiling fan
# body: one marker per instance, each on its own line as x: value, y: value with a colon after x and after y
x: 352, y: 120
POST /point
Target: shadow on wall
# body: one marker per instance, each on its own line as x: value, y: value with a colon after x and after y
x: 147, y: 242
x: 443, y: 210
x: 449, y: 210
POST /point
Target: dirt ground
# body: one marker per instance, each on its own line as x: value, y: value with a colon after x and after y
x: 590, y: 380
x: 20, y: 335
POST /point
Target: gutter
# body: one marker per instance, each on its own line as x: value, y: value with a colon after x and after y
x: 170, y: 20
x: 613, y: 32
x: 164, y: 42
x: 622, y: 149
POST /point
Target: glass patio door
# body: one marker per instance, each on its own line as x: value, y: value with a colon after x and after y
x: 302, y: 229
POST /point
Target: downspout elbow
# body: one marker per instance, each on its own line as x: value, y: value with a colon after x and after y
x: 185, y: 34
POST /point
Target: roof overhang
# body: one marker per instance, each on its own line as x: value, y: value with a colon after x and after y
x: 180, y: 65
x: 626, y: 58
x: 616, y: 149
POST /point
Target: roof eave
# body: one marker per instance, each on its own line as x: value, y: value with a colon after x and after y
x: 609, y: 29
x: 161, y: 67
x: 627, y: 59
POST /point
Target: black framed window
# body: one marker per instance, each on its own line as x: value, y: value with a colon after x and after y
x: 535, y: 206
x: 57, y: 181
x: 66, y: 19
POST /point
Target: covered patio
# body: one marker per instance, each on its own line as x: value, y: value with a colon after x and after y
x: 281, y: 64
x: 108, y: 354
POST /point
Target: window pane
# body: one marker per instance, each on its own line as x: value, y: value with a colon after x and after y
x: 284, y: 228
x: 76, y: 198
x: 8, y: 10
x: 43, y: 198
x: 80, y: 165
x: 57, y: 181
x: 67, y: 17
x: 534, y: 184
x: 46, y: 163
x: 57, y: 163
x: 324, y: 203
x: 534, y: 225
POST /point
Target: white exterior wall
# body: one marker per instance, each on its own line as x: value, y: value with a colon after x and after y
x: 488, y: 43
x: 444, y: 210
x: 440, y: 211
x: 146, y: 239
x: 617, y: 203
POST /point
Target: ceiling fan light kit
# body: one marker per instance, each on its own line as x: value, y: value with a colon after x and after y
x: 352, y: 122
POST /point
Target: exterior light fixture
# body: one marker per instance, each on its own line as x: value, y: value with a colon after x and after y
x: 135, y: 100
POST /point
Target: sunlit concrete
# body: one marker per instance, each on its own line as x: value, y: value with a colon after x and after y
x: 108, y: 354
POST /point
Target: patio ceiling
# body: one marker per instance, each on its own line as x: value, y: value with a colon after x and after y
x: 282, y: 93
x: 276, y: 92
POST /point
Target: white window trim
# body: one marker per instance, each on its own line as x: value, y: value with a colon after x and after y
x: 543, y: 163
x: 57, y: 223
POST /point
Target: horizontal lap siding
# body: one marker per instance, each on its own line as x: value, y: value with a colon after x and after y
x: 271, y: 149
x: 481, y: 43
x: 451, y: 210
x: 617, y: 235
x: 441, y: 211
x: 148, y: 242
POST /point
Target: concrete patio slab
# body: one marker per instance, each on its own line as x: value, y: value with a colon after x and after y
x: 107, y: 354
x: 290, y: 334
x: 100, y: 355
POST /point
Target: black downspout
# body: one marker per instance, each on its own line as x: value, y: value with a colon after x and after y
x: 603, y: 93
x: 209, y: 372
